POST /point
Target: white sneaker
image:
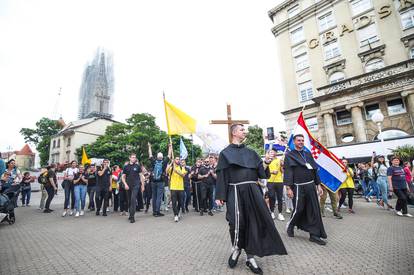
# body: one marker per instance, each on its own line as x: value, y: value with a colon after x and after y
x: 288, y: 210
x: 82, y: 213
x: 408, y: 215
x: 77, y: 214
x: 399, y: 213
x: 280, y: 217
x: 176, y: 218
x: 70, y: 212
x: 273, y: 216
x: 64, y: 213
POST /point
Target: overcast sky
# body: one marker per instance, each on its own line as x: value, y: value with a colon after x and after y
x: 203, y: 54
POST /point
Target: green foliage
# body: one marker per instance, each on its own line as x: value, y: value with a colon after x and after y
x: 254, y: 139
x: 404, y: 152
x: 41, y: 136
x: 122, y: 139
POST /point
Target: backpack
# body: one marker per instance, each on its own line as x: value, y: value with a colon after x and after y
x: 43, y: 179
x: 158, y: 170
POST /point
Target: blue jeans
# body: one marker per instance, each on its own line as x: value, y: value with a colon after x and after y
x: 373, y: 185
x: 157, y: 192
x: 26, y: 195
x: 80, y: 196
x: 383, y: 186
x: 365, y: 187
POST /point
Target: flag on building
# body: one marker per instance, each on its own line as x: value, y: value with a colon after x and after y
x: 85, y: 159
x: 183, y: 150
x: 331, y: 170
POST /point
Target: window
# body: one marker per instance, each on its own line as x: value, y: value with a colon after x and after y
x: 305, y: 91
x: 359, y: 6
x: 412, y: 53
x: 395, y: 106
x: 69, y: 140
x: 367, y: 35
x: 407, y: 19
x: 347, y: 138
x: 332, y: 50
x: 371, y: 109
x: 393, y: 133
x: 343, y: 117
x: 293, y: 11
x: 326, y: 21
x: 374, y: 64
x: 312, y: 123
x: 336, y: 77
x: 58, y: 143
x: 301, y: 62
x: 297, y: 35
x: 54, y: 143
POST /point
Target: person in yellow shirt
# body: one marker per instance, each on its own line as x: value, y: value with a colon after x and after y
x: 176, y: 174
x: 275, y: 186
x: 347, y: 187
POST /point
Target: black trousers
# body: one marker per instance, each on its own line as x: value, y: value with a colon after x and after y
x: 177, y: 198
x: 102, y: 195
x: 50, y: 194
x: 350, y: 192
x: 196, y: 194
x: 123, y: 200
x: 206, y: 196
x: 275, y: 192
x: 132, y: 199
x: 147, y: 195
x: 139, y: 199
x: 115, y: 199
x: 402, y: 200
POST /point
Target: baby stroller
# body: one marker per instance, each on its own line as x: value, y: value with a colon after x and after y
x: 8, y: 201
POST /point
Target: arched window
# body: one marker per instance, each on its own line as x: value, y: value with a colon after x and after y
x: 391, y: 133
x: 374, y: 64
x: 347, y: 138
x: 336, y: 77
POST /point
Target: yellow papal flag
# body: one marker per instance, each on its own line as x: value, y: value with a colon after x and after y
x: 178, y: 122
x: 85, y: 159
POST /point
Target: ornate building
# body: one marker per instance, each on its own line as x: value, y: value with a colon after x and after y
x: 346, y: 60
x: 96, y: 92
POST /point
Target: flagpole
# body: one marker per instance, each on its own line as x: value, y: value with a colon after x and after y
x: 168, y: 126
x: 294, y: 129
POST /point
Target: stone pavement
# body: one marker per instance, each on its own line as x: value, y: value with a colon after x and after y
x: 373, y: 241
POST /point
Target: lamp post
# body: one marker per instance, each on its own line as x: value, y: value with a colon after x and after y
x: 378, y: 118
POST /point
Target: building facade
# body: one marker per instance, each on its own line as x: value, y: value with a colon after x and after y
x: 74, y: 135
x: 96, y: 92
x: 345, y: 60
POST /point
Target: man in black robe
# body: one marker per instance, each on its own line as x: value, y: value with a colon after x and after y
x: 251, y: 225
x: 302, y: 181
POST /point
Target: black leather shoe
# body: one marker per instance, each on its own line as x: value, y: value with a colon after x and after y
x: 97, y: 213
x: 317, y: 240
x: 233, y: 263
x: 255, y: 270
x: 132, y: 220
x: 160, y: 214
x: 289, y: 232
x: 201, y: 213
x: 104, y: 214
x: 210, y: 213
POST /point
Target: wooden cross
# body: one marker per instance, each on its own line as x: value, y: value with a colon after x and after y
x: 229, y: 121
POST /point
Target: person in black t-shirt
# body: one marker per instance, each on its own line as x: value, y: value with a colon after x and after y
x: 208, y: 177
x: 91, y: 189
x: 51, y: 187
x: 195, y: 184
x: 103, y: 187
x: 132, y: 179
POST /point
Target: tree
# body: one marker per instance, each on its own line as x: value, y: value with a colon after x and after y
x: 122, y: 139
x: 41, y: 136
x: 404, y: 152
x: 254, y: 139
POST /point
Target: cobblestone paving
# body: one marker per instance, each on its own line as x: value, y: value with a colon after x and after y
x: 372, y: 241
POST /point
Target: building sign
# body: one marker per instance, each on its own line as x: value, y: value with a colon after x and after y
x: 359, y: 23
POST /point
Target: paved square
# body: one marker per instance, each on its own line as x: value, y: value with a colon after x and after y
x: 373, y: 241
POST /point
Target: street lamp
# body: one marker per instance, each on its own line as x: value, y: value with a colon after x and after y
x: 378, y: 118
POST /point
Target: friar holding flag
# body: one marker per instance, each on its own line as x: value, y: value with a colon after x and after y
x: 251, y: 225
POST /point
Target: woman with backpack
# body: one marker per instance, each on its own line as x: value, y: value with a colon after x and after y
x: 42, y: 180
x: 380, y: 168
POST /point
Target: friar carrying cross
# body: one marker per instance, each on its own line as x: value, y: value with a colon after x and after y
x: 229, y: 121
